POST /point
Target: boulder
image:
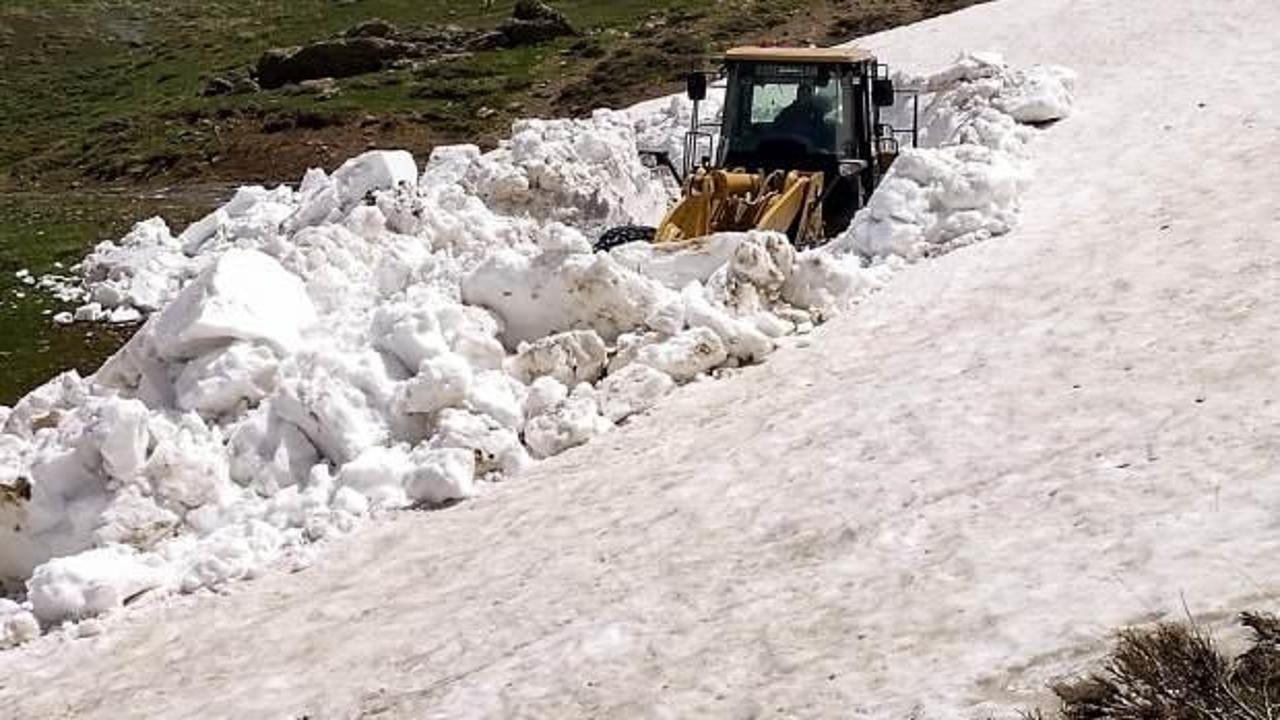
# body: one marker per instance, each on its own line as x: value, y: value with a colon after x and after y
x: 375, y: 28
x: 343, y: 57
x: 216, y: 86
x: 236, y: 82
x: 536, y: 10
x: 533, y: 21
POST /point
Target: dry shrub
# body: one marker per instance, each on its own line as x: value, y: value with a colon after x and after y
x: 1175, y: 672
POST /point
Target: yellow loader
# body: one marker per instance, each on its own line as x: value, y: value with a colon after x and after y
x: 799, y: 149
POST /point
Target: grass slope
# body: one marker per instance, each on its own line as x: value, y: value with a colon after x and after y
x: 110, y: 88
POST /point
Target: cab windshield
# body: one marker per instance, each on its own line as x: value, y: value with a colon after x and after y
x: 784, y: 105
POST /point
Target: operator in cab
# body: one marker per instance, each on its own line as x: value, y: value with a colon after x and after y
x: 806, y: 115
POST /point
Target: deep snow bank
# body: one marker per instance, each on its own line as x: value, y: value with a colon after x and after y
x: 382, y: 339
x: 965, y: 185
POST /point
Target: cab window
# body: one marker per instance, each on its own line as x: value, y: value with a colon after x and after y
x: 800, y: 104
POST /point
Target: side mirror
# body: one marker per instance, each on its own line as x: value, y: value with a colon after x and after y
x: 696, y: 86
x: 882, y: 92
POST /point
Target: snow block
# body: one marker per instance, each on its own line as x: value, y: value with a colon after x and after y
x: 554, y: 293
x: 17, y: 625
x: 374, y: 170
x: 571, y: 358
x: 685, y: 356
x: 440, y: 475
x: 499, y: 396
x: 224, y: 380
x: 567, y: 425
x: 496, y: 448
x: 1040, y: 94
x: 379, y: 474
x: 633, y: 389
x: 245, y: 295
x: 442, y: 381
x: 91, y: 583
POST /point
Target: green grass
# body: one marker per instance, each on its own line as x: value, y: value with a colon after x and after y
x: 36, y: 232
x: 94, y: 86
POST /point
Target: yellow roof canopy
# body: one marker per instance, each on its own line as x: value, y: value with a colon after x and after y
x: 800, y: 55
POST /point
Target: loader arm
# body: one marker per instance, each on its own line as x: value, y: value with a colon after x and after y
x: 722, y: 201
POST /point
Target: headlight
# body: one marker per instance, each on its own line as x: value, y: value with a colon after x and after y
x: 849, y: 168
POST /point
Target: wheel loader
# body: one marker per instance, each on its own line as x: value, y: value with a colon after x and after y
x: 799, y: 148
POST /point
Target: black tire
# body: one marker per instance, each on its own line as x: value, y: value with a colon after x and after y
x: 623, y: 234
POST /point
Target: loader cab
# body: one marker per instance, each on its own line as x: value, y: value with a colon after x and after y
x: 807, y: 109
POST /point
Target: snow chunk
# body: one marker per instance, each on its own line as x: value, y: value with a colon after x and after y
x: 571, y: 358
x: 379, y: 474
x: 106, y: 471
x: 685, y: 356
x: 434, y: 326
x: 678, y: 264
x: 224, y: 380
x: 91, y: 583
x: 329, y: 199
x: 553, y: 293
x: 238, y: 551
x: 822, y: 281
x: 376, y: 169
x: 496, y: 448
x: 935, y: 200
x: 144, y: 269
x: 1043, y: 93
x: 441, y: 475
x: 741, y: 339
x: 545, y: 393
x: 89, y: 312
x: 499, y: 396
x: 442, y: 381
x: 584, y: 172
x: 632, y: 390
x: 269, y: 453
x: 339, y: 401
x: 188, y: 465
x: 448, y: 165
x: 124, y: 438
x: 567, y: 425
x: 17, y: 625
x: 245, y: 295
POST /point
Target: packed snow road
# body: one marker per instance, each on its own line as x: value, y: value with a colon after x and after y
x: 945, y: 499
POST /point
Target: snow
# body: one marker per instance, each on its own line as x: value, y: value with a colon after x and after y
x: 551, y: 292
x: 90, y: 583
x: 583, y: 173
x: 633, y: 389
x: 441, y: 475
x: 367, y: 329
x: 442, y: 381
x: 382, y: 338
x: 686, y: 355
x: 245, y: 295
x: 967, y: 184
x: 17, y: 625
x: 572, y: 357
x: 567, y: 424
